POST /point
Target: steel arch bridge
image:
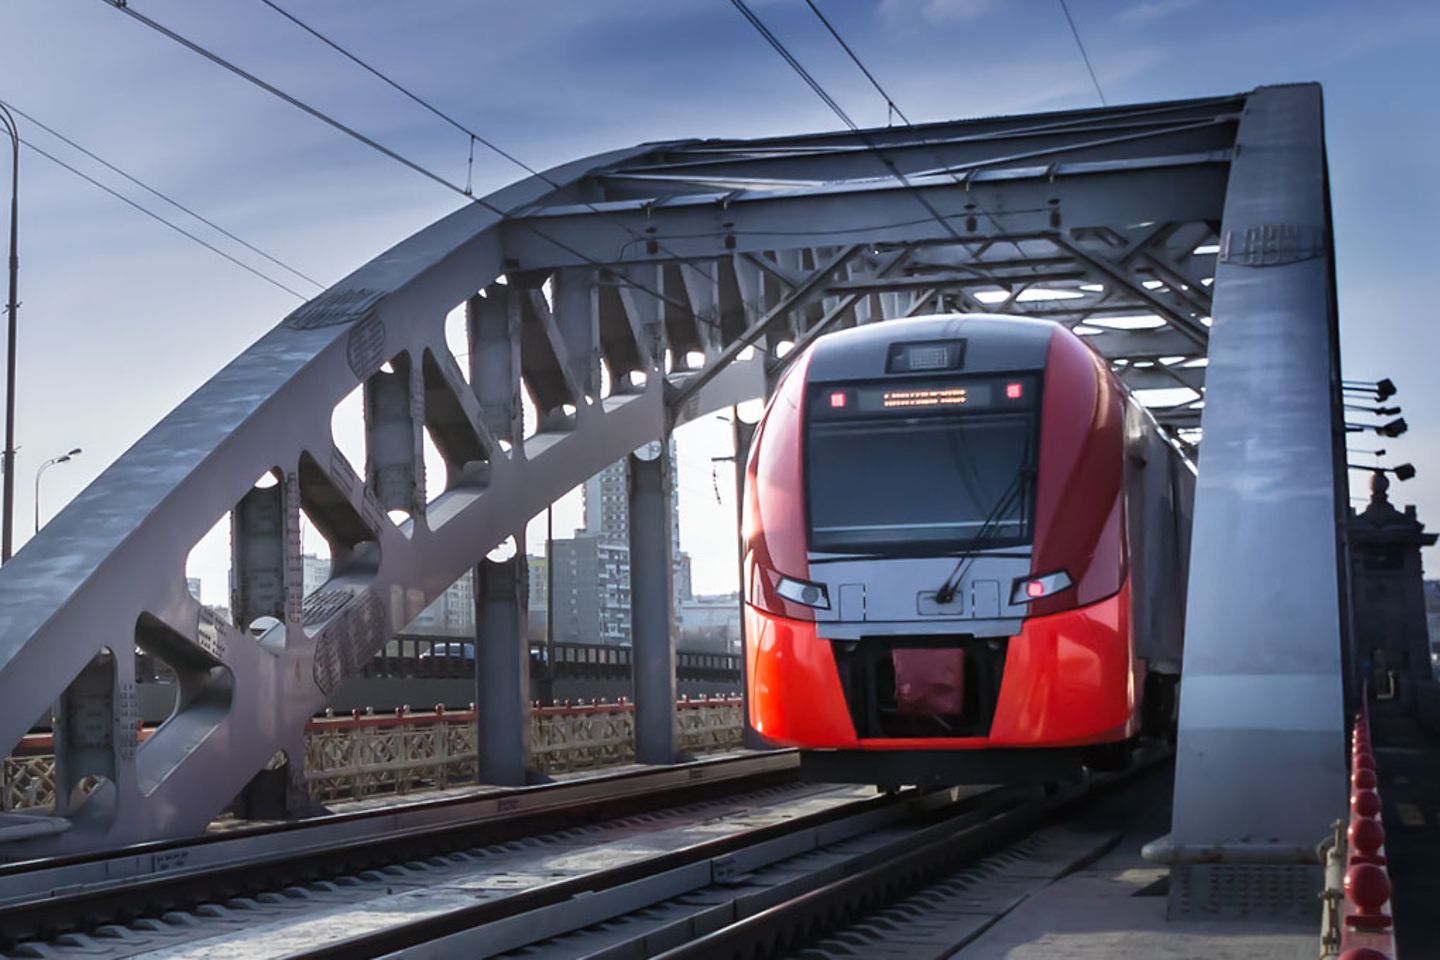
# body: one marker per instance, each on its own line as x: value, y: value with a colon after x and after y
x: 630, y: 292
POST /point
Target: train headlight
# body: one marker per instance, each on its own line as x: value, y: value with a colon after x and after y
x: 804, y: 593
x: 1037, y: 588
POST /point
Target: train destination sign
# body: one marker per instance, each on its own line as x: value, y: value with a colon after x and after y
x: 833, y: 401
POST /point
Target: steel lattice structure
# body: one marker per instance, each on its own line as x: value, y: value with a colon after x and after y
x: 625, y: 294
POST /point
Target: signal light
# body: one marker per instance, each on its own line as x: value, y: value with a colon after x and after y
x: 1034, y: 589
x: 837, y: 399
x: 1014, y: 391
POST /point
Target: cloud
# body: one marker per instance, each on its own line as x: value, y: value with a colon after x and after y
x: 1151, y: 10
x: 936, y: 11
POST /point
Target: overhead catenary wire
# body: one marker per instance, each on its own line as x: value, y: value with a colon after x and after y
x: 890, y: 103
x: 1065, y: 8
x: 168, y: 199
x: 375, y: 145
x: 395, y: 85
x: 795, y: 64
x: 865, y: 138
x: 473, y: 136
x: 169, y: 223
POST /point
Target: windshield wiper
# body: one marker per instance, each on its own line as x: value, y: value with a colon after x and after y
x: 993, y: 519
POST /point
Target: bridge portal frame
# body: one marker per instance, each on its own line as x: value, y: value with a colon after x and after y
x: 619, y: 297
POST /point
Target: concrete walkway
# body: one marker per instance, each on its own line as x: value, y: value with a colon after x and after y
x: 1115, y: 908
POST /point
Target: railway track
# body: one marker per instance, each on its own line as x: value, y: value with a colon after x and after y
x: 751, y: 873
x: 70, y: 897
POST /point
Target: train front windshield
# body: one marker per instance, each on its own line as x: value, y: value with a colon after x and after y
x: 920, y: 468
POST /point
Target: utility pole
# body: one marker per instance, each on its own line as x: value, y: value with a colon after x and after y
x: 550, y: 582
x: 12, y: 308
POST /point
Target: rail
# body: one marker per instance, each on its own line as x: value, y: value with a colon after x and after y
x: 365, y: 754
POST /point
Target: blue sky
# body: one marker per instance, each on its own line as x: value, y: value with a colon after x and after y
x: 122, y: 318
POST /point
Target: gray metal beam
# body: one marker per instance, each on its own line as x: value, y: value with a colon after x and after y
x: 651, y: 606
x: 1159, y: 377
x: 1143, y: 344
x: 502, y: 663
x: 742, y: 435
x: 695, y: 227
x: 929, y: 150
x: 802, y: 293
x: 1260, y: 768
x: 1180, y: 321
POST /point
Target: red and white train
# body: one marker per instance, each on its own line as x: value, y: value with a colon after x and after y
x: 965, y: 556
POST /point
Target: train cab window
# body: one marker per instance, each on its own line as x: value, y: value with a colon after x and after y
x: 933, y: 480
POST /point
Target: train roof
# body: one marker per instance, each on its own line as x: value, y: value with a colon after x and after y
x: 993, y: 343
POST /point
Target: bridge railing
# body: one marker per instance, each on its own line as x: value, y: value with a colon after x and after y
x: 1357, y: 922
x: 368, y: 754
x: 454, y: 657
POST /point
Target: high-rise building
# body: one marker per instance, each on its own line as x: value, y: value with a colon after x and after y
x: 459, y: 601
x: 314, y: 571
x: 607, y: 520
x: 535, y: 625
x: 592, y: 591
x: 453, y: 610
x: 711, y: 623
x: 607, y: 505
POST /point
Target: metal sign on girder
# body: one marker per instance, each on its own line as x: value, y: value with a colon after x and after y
x: 623, y: 295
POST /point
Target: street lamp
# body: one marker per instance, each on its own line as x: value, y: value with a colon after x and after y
x: 1392, y: 429
x: 1404, y: 471
x: 7, y: 459
x: 64, y: 458
x: 1381, y: 389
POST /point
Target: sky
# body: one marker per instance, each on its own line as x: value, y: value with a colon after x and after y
x: 121, y: 318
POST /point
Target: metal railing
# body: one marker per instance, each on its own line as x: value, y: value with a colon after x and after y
x: 1356, y: 921
x: 368, y: 754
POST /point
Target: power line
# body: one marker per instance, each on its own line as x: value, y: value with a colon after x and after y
x: 463, y: 128
x: 173, y: 226
x: 785, y: 54
x: 170, y: 200
x: 298, y: 104
x: 889, y: 101
x: 865, y: 137
x: 373, y: 144
x: 1083, y: 55
x: 870, y: 143
x: 373, y: 71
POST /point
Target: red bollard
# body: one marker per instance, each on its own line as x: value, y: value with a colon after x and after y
x: 1363, y: 953
x: 1366, y: 836
x: 1364, y: 780
x: 1365, y: 803
x: 1364, y: 760
x: 1368, y: 887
